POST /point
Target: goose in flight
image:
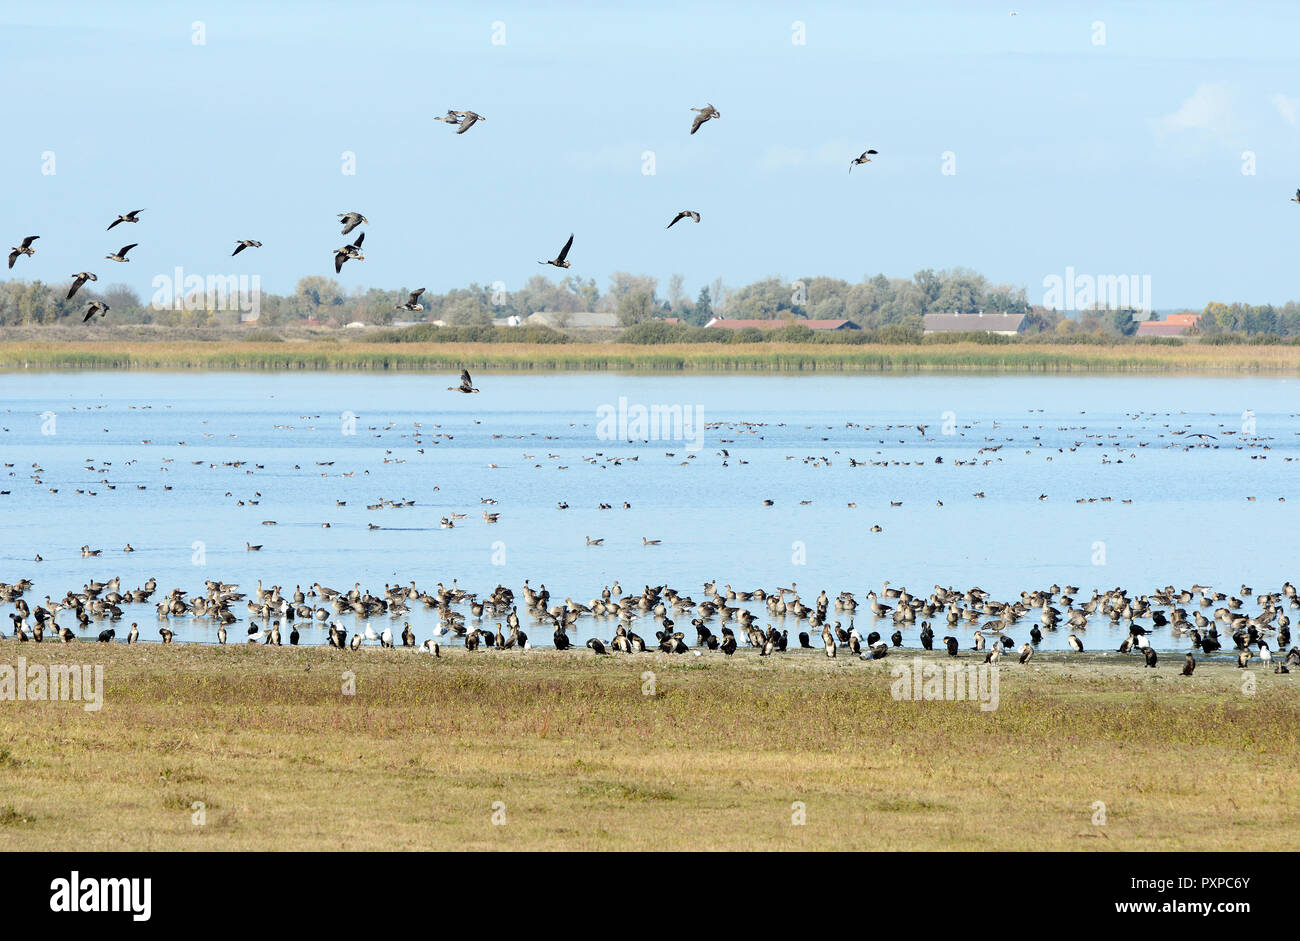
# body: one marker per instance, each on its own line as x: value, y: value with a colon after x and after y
x: 452, y: 117
x: 467, y: 120
x: 466, y: 384
x: 684, y: 214
x: 351, y: 220
x: 78, y: 279
x: 348, y: 252
x: 1296, y: 197
x: 413, y: 303
x: 93, y: 308
x: 25, y: 249
x: 129, y: 217
x: 864, y: 157
x: 708, y: 112
x: 121, y: 253
x: 243, y: 244
x: 557, y: 262
x: 1203, y: 437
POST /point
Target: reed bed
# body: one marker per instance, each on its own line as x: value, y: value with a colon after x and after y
x: 316, y: 355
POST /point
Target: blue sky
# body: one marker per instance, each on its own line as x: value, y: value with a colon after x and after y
x: 1115, y: 158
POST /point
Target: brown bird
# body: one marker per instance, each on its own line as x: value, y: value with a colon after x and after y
x: 243, y: 244
x: 351, y: 220
x: 121, y: 253
x: 684, y: 214
x: 348, y: 252
x: 865, y: 157
x: 558, y: 262
x: 93, y: 308
x: 78, y: 280
x: 129, y: 217
x: 466, y: 385
x: 707, y: 113
x: 23, y: 249
x: 1190, y: 666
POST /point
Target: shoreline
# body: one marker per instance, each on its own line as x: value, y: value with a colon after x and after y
x: 357, y: 355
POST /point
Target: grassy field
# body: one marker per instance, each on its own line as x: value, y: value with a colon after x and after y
x: 760, y: 357
x: 580, y: 758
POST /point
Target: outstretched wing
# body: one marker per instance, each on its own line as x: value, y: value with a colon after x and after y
x: 115, y: 222
x: 13, y: 257
x: 699, y: 119
x: 415, y: 297
x: 339, y: 258
x: 27, y: 242
x: 360, y: 238
x: 565, y: 251
x: 238, y: 248
x: 465, y: 382
x: 466, y: 123
x: 127, y: 248
x: 676, y: 219
x: 75, y: 285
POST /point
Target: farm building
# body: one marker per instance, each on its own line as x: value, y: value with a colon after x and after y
x: 775, y: 324
x: 1008, y: 325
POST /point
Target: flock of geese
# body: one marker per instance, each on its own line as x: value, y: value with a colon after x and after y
x: 1211, y: 619
x: 352, y: 251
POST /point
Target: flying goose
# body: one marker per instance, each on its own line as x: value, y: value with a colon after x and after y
x: 348, y: 252
x: 129, y: 217
x: 93, y: 308
x: 351, y: 220
x: 80, y: 278
x: 466, y: 384
x: 558, y: 262
x: 864, y: 157
x: 684, y: 214
x: 25, y: 249
x: 467, y: 120
x: 452, y: 117
x: 243, y: 244
x: 1296, y: 198
x: 413, y: 303
x: 121, y: 253
x: 706, y: 113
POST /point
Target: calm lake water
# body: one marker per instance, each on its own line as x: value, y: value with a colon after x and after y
x: 532, y: 441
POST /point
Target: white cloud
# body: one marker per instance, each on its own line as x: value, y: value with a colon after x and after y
x: 1289, y: 108
x: 1209, y: 110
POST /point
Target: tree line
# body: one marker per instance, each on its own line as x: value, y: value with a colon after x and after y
x: 873, y: 303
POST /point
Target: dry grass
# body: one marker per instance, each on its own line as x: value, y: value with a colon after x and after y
x: 582, y: 760
x: 350, y: 354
